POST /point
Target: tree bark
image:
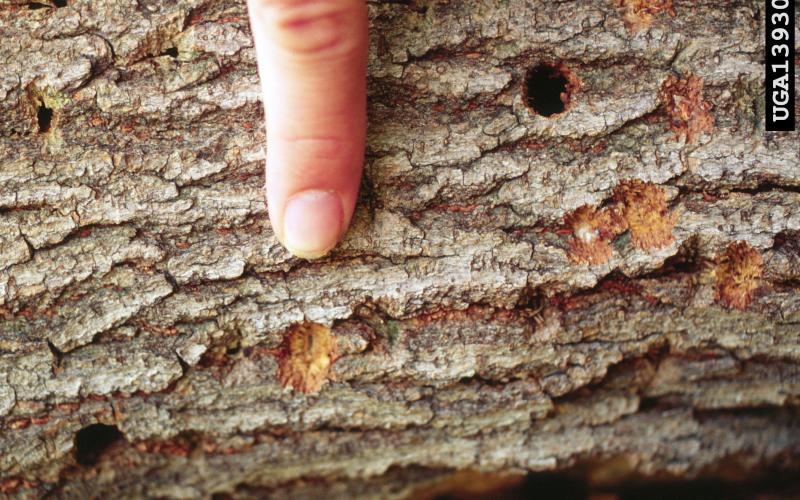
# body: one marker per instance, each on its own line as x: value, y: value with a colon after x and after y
x: 474, y: 318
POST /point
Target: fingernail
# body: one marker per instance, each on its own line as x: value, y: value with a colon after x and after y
x: 312, y: 223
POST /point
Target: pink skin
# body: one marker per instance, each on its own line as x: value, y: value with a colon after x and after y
x: 312, y: 57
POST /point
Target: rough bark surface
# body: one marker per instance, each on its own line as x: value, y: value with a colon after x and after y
x: 142, y: 288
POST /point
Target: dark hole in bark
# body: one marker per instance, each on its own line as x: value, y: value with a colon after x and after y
x: 44, y: 116
x: 92, y: 441
x: 648, y: 404
x: 39, y: 5
x: 544, y: 87
x: 172, y: 52
x: 553, y: 485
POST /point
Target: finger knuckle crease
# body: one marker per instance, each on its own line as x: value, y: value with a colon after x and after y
x: 315, y: 28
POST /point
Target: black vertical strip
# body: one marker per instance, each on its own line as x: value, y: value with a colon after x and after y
x: 779, y: 64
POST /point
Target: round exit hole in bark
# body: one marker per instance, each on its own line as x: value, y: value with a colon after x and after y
x: 92, y: 441
x: 44, y: 116
x: 549, y: 88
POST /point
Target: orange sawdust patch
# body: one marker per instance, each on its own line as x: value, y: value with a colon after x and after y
x: 309, y: 350
x: 644, y: 207
x: 639, y: 14
x: 737, y: 275
x: 592, y: 231
x: 689, y: 114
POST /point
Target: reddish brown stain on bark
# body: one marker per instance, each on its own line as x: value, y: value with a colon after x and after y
x: 689, y: 114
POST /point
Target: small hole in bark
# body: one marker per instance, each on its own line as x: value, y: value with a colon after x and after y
x: 172, y: 52
x: 44, y: 116
x: 547, y: 89
x: 648, y: 404
x: 553, y: 485
x: 39, y: 5
x: 92, y: 441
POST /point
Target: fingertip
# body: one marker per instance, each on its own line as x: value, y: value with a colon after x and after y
x: 313, y: 223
